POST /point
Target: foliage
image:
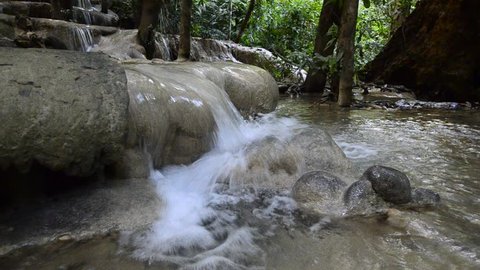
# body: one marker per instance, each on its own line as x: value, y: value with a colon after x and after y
x: 218, y: 19
x: 286, y: 27
x: 375, y: 25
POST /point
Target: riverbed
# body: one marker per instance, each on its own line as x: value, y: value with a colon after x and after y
x: 437, y: 149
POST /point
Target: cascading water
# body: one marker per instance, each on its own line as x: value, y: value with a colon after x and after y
x: 82, y: 39
x: 197, y: 229
x: 82, y: 35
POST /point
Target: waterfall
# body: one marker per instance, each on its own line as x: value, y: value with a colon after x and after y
x: 196, y: 229
x: 85, y: 4
x: 82, y: 39
x: 82, y: 36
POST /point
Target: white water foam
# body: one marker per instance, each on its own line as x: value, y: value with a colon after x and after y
x: 356, y: 150
x: 82, y: 39
x: 196, y: 230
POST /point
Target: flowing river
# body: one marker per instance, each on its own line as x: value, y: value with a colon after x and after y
x: 204, y: 227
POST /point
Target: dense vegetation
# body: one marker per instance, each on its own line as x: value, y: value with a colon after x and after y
x: 287, y: 27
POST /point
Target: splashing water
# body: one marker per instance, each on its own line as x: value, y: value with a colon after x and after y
x: 82, y: 39
x: 196, y: 229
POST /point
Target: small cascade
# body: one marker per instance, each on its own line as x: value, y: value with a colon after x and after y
x: 85, y: 4
x: 82, y: 36
x: 82, y: 39
x: 197, y: 230
x: 82, y: 12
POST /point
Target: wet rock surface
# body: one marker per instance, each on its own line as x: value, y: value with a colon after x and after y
x: 317, y: 190
x: 95, y: 209
x: 422, y: 197
x: 68, y: 112
x: 381, y: 188
x: 390, y: 184
x: 172, y: 118
x: 360, y: 198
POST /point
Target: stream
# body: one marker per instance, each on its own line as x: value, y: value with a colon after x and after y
x: 204, y: 227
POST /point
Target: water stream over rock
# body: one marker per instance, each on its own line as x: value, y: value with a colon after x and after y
x: 220, y: 222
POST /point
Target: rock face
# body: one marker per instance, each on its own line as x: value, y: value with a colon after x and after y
x: 317, y: 190
x: 434, y: 52
x: 172, y: 118
x: 252, y: 90
x: 47, y: 33
x: 64, y: 110
x: 390, y: 184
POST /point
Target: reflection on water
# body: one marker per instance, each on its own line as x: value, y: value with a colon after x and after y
x: 439, y: 150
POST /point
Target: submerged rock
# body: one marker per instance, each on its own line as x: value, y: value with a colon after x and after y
x: 390, y: 184
x: 64, y: 110
x: 360, y: 198
x: 324, y: 153
x: 422, y: 197
x: 317, y: 191
x: 269, y: 163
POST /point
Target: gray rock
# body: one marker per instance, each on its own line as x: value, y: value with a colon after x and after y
x: 94, y: 17
x: 317, y: 190
x: 251, y: 89
x: 422, y: 197
x: 360, y: 196
x: 270, y: 164
x: 390, y: 184
x: 108, y: 206
x: 65, y: 110
x: 323, y: 152
x: 39, y: 32
x: 30, y: 9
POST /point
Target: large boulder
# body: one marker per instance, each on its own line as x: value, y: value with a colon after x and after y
x: 251, y: 89
x: 66, y: 111
x: 390, y: 184
x: 435, y: 52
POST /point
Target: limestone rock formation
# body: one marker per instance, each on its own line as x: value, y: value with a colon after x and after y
x: 64, y: 110
x: 170, y: 116
x: 47, y: 33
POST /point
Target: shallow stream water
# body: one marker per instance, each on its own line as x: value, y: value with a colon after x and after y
x: 437, y: 149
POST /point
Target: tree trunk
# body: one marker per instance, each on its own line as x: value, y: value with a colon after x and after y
x: 185, y: 25
x: 246, y: 20
x: 346, y: 47
x: 146, y: 28
x: 329, y: 16
x: 435, y: 52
